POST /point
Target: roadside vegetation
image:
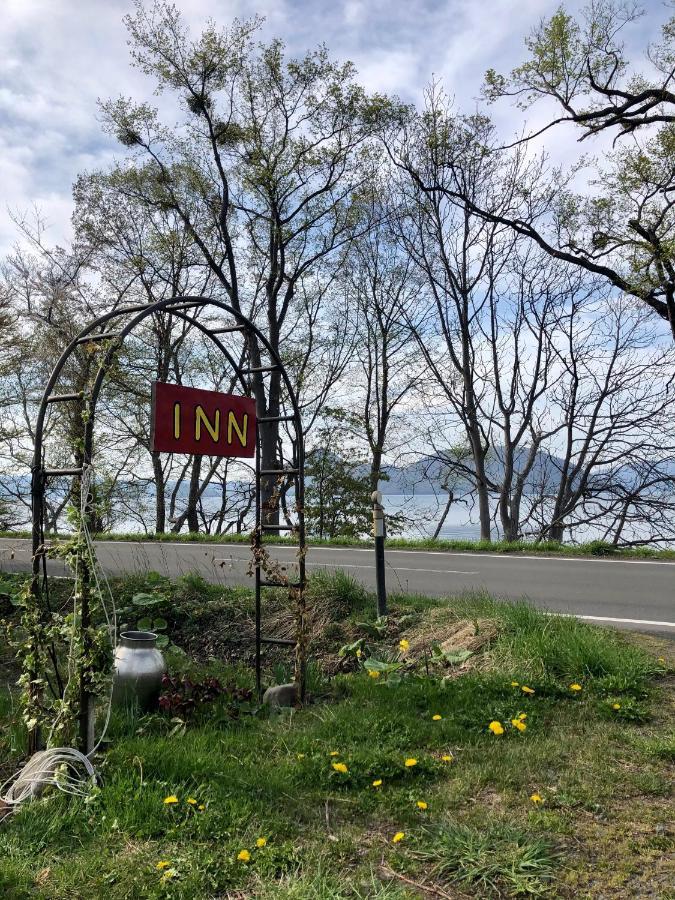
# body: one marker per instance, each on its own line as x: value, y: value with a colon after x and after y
x: 547, y: 548
x: 469, y: 748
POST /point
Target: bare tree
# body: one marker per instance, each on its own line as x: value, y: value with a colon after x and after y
x: 51, y: 298
x: 269, y: 149
x: 611, y: 407
x: 383, y: 288
x: 461, y: 257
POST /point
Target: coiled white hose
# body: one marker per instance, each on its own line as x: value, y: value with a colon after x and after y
x: 61, y: 767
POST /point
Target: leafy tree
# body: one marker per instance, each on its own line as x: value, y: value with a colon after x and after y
x: 269, y: 149
x: 583, y: 67
x: 337, y: 496
x: 624, y: 232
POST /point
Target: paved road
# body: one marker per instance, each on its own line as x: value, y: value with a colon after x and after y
x: 636, y: 594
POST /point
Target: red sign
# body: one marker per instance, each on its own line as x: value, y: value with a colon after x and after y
x: 190, y: 420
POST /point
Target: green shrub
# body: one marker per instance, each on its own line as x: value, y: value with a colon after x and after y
x: 600, y: 548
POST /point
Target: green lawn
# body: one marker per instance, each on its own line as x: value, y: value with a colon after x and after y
x: 600, y: 758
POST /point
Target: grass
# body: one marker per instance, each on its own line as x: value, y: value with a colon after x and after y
x: 489, y: 859
x: 549, y: 548
x: 605, y: 774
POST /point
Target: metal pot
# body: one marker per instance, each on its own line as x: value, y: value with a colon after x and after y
x: 138, y: 670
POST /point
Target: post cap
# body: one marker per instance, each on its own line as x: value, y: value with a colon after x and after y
x: 376, y: 496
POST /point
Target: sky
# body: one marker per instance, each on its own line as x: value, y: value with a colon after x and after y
x: 57, y: 57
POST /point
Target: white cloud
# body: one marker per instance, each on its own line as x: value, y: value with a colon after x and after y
x: 58, y: 56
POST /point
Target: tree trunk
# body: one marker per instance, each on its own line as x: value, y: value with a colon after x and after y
x: 192, y: 517
x: 375, y: 468
x: 442, y: 519
x: 555, y: 532
x: 160, y: 499
x: 481, y: 484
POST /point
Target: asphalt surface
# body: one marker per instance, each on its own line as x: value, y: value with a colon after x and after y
x: 634, y: 594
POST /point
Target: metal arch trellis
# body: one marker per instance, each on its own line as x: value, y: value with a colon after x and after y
x: 99, y: 331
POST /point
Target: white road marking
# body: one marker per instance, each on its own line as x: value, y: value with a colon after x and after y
x: 612, y: 619
x: 509, y: 556
x: 651, y: 622
x: 356, y: 566
x: 395, y: 568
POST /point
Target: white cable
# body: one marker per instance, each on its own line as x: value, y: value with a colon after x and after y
x: 104, y: 596
x: 62, y: 767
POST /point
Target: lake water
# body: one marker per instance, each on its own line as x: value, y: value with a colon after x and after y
x: 422, y: 512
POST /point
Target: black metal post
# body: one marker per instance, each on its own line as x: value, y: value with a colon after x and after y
x: 257, y: 550
x: 378, y: 532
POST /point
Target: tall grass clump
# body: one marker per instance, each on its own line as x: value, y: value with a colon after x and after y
x: 564, y: 647
x: 338, y: 594
x: 496, y: 859
x: 541, y: 645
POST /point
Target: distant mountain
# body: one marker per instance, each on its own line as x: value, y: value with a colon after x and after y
x: 425, y: 475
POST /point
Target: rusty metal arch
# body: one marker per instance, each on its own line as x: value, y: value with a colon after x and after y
x: 98, y: 331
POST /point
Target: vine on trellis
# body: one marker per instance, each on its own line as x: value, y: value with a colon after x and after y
x: 64, y: 659
x: 57, y: 655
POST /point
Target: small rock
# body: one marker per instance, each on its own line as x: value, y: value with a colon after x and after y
x: 281, y: 695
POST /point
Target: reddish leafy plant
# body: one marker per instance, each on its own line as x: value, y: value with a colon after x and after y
x: 182, y: 696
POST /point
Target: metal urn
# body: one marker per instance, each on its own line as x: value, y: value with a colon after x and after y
x: 138, y: 670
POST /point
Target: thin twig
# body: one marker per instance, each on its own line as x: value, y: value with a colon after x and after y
x: 421, y: 886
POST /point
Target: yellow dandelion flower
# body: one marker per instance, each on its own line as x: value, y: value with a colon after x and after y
x: 519, y: 724
x: 616, y: 706
x: 661, y: 659
x: 527, y: 690
x: 201, y: 806
x: 261, y: 842
x: 191, y: 801
x: 575, y: 687
x: 514, y: 684
x: 404, y: 645
x: 340, y: 767
x: 522, y: 716
x: 437, y: 718
x: 410, y: 762
x: 359, y: 654
x: 448, y: 757
x: 377, y: 783
x: 496, y: 727
x: 301, y: 755
x: 373, y: 673
x: 334, y: 753
x: 421, y: 804
x: 243, y: 856
x: 398, y: 837
x: 163, y: 864
x: 536, y: 799
x: 170, y: 799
